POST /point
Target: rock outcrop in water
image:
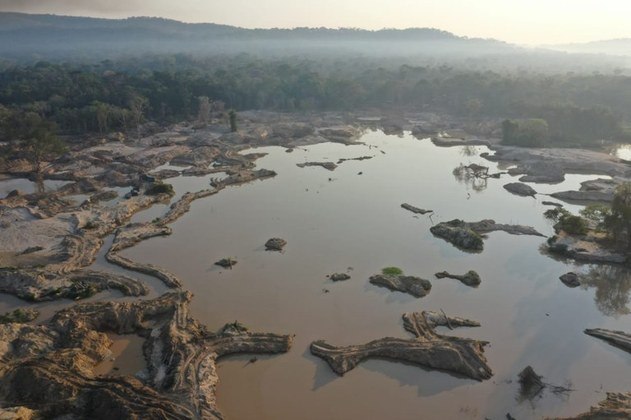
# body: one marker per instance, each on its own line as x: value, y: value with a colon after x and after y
x: 570, y: 279
x: 414, y: 286
x: 518, y: 188
x: 457, y: 355
x: 586, y: 248
x: 326, y: 165
x: 48, y: 368
x: 470, y: 278
x: 459, y: 234
x: 414, y: 209
x: 339, y: 277
x: 468, y: 235
x: 275, y: 244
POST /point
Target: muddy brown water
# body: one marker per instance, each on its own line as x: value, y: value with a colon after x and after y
x: 335, y: 221
x: 342, y: 221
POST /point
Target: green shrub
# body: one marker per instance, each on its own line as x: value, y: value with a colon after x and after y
x: 574, y: 225
x: 392, y: 271
x: 160, y: 188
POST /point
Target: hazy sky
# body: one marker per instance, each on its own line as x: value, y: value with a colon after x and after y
x: 520, y: 21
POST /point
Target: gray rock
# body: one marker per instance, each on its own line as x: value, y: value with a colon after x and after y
x: 520, y: 189
x: 458, y: 233
x: 570, y: 280
x: 414, y: 286
x: 416, y: 210
x: 470, y: 278
x: 226, y: 262
x: 275, y: 244
x: 339, y: 277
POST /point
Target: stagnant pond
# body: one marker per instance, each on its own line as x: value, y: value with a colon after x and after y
x: 350, y: 220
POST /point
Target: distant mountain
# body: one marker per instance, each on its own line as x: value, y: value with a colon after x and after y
x: 620, y: 46
x: 50, y: 36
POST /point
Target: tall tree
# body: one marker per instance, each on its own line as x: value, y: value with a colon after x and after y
x: 618, y: 223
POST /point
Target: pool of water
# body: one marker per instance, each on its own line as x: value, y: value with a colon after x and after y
x: 181, y: 185
x: 26, y: 186
x: 623, y: 151
x: 350, y: 219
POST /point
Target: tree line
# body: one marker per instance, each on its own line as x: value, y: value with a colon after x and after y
x: 117, y: 96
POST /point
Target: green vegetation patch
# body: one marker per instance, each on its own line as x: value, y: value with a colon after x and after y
x: 19, y: 315
x: 160, y: 188
x: 391, y: 271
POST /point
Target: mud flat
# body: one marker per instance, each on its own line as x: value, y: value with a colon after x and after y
x: 45, y: 361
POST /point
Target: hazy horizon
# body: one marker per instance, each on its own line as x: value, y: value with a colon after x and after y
x: 534, y: 22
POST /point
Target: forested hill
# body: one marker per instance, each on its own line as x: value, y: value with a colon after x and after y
x: 46, y: 36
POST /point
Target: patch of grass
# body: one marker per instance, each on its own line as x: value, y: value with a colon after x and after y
x: 391, y: 271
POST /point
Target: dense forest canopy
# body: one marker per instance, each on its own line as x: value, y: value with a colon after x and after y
x: 100, y: 97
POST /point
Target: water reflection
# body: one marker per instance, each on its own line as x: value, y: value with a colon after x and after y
x: 471, y: 179
x: 613, y: 284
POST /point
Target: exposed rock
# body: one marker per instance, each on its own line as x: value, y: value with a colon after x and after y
x: 275, y: 244
x: 342, y: 160
x: 470, y: 278
x: 570, y: 279
x: 416, y: 210
x: 615, y: 406
x: 520, y: 189
x: 183, y: 205
x: 584, y: 248
x: 326, y: 165
x: 48, y: 367
x: 468, y: 235
x: 615, y: 338
x: 226, y: 262
x: 339, y: 277
x: 489, y: 225
x: 551, y: 203
x: 459, y: 234
x: 40, y: 285
x: 461, y: 356
x: 242, y: 177
x: 583, y: 196
x: 593, y: 190
x: 550, y: 164
x: 414, y: 286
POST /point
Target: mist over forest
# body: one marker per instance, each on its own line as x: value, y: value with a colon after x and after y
x: 82, y: 75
